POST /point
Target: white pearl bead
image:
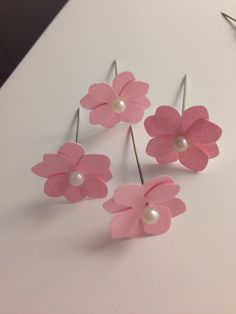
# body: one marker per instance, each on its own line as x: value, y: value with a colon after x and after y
x: 76, y: 178
x: 181, y: 144
x: 150, y: 215
x: 119, y: 106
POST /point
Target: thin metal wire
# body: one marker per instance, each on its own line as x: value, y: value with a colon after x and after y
x: 136, y: 155
x: 77, y: 125
x: 116, y: 67
x: 184, y: 92
x: 226, y: 16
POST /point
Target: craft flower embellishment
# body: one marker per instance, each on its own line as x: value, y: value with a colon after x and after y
x: 190, y: 138
x: 124, y: 101
x: 144, y: 209
x: 73, y: 174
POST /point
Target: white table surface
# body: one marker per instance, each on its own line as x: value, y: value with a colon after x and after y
x: 58, y: 258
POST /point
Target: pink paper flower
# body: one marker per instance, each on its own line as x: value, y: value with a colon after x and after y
x: 72, y: 173
x: 190, y: 138
x: 124, y: 101
x: 144, y: 209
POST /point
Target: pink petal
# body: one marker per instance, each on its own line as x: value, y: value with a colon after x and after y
x: 133, y: 113
x: 194, y: 158
x: 95, y: 165
x: 123, y: 223
x: 163, y: 223
x: 134, y: 90
x: 211, y: 149
x: 42, y: 170
x: 94, y: 187
x: 129, y: 195
x: 89, y: 103
x: 176, y: 206
x: 112, y: 207
x: 203, y: 132
x: 193, y: 114
x: 151, y: 126
x: 73, y: 194
x: 143, y: 102
x: 58, y: 163
x: 102, y: 93
x: 104, y: 115
x: 56, y: 185
x: 74, y: 151
x: 150, y: 185
x: 162, y: 193
x: 162, y: 149
x: 121, y: 80
x: 168, y: 121
x: 136, y: 231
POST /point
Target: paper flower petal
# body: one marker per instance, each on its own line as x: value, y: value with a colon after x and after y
x: 194, y: 158
x: 129, y: 195
x: 74, y: 194
x: 133, y: 113
x: 123, y: 223
x: 136, y: 230
x: 168, y: 121
x: 56, y: 186
x: 73, y: 151
x: 151, y: 126
x: 162, y: 149
x: 102, y: 93
x: 143, y: 102
x: 121, y: 80
x: 150, y: 185
x: 163, y: 193
x: 89, y: 103
x: 176, y: 206
x: 96, y: 165
x: 42, y: 170
x: 163, y: 223
x: 94, y: 187
x: 58, y: 163
x: 211, y: 149
x: 204, y: 132
x: 103, y: 115
x: 112, y: 207
x: 134, y: 90
x: 193, y: 114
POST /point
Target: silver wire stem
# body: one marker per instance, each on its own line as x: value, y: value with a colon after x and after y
x: 184, y: 92
x: 226, y: 16
x: 77, y: 125
x: 116, y: 67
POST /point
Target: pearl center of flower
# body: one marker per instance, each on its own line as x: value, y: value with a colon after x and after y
x: 150, y: 215
x: 76, y: 178
x: 118, y: 106
x: 180, y: 144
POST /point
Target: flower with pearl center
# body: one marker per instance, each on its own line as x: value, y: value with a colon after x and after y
x: 124, y: 100
x: 190, y: 138
x: 144, y: 209
x: 73, y: 174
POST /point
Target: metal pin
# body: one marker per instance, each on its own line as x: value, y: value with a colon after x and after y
x: 136, y: 155
x: 77, y: 125
x: 116, y: 67
x: 184, y: 92
x: 226, y: 16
